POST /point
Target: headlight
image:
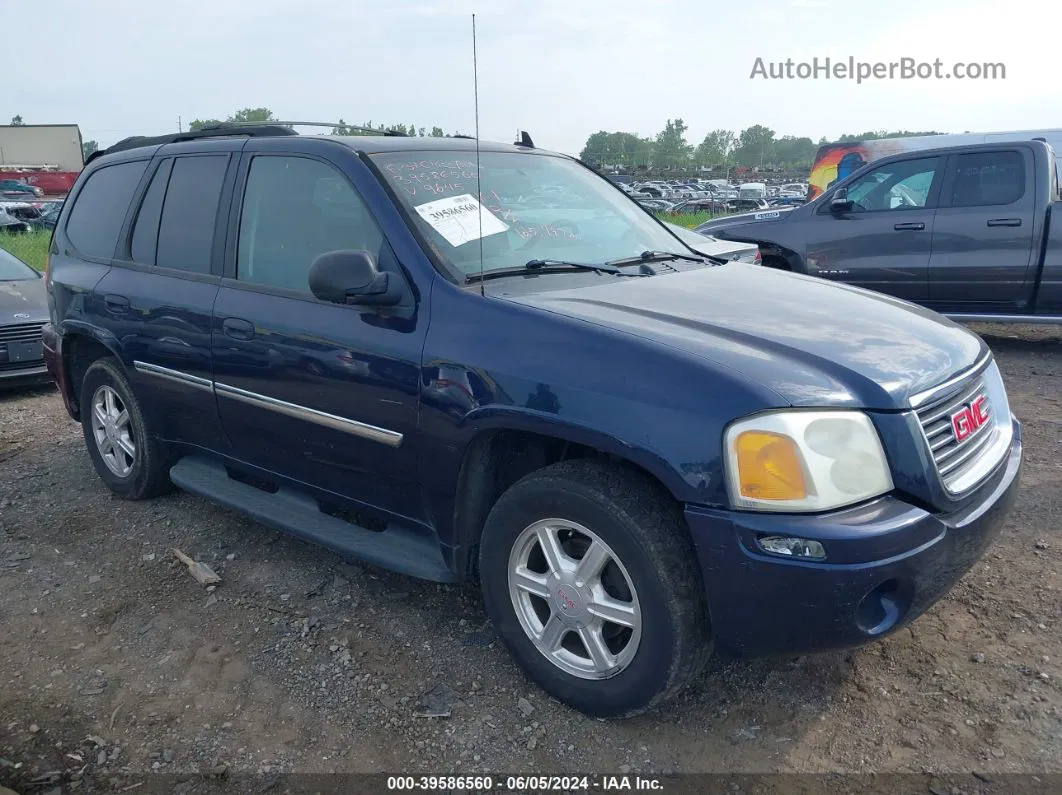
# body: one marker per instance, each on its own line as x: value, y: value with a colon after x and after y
x: 804, y: 461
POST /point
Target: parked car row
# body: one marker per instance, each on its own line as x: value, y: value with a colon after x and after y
x: 21, y: 216
x: 18, y: 189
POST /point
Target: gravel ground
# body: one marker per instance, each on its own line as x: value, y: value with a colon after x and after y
x: 115, y: 663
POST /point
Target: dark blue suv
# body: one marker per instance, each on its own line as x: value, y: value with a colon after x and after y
x: 488, y: 362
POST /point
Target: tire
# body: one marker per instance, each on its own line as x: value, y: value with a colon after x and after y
x: 148, y: 466
x: 656, y: 578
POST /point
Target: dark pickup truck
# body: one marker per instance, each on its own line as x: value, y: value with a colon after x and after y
x: 488, y: 363
x: 966, y: 231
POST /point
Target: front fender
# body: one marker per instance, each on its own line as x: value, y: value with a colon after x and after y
x: 492, y: 365
x: 512, y: 418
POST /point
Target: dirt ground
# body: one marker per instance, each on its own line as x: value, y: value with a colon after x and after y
x: 115, y: 663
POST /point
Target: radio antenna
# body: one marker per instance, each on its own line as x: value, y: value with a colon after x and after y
x: 479, y: 175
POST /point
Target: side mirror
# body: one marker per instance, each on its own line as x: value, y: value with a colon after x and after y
x: 351, y: 277
x: 839, y: 202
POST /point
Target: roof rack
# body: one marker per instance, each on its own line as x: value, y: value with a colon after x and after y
x: 252, y: 129
x: 256, y: 129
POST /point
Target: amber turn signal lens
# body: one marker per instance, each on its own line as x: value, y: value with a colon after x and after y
x: 769, y: 467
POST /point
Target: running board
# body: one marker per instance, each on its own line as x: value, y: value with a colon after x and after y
x: 295, y: 512
x: 1047, y: 320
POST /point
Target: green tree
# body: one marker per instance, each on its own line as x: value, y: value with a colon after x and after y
x: 671, y: 149
x: 716, y: 147
x: 755, y: 146
x: 263, y: 115
x: 437, y: 132
x: 793, y: 152
x: 88, y: 147
x: 617, y: 149
x: 253, y: 115
x: 16, y: 121
x: 199, y: 124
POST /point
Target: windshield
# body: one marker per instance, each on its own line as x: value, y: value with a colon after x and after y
x: 535, y: 207
x: 12, y: 269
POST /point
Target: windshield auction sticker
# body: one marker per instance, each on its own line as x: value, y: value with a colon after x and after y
x: 457, y: 218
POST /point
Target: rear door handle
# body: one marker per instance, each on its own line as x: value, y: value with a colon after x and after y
x: 1004, y: 222
x: 914, y: 226
x: 238, y: 328
x: 116, y: 304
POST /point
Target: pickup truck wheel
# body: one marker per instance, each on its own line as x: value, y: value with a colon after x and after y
x: 127, y: 457
x: 589, y: 575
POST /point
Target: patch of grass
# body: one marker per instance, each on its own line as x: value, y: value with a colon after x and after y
x: 31, y: 248
x: 688, y: 220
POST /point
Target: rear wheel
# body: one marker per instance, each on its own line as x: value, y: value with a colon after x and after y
x: 127, y: 457
x: 591, y: 580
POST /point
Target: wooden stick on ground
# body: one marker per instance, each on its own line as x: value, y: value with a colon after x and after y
x: 203, y: 574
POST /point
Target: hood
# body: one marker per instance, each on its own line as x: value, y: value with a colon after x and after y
x: 25, y: 297
x: 773, y: 214
x: 811, y: 341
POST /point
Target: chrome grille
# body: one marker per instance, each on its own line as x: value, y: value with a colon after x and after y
x: 21, y: 332
x: 963, y: 451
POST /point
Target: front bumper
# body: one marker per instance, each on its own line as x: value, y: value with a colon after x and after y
x: 24, y: 377
x: 886, y: 563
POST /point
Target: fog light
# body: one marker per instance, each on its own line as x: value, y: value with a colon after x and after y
x: 793, y: 547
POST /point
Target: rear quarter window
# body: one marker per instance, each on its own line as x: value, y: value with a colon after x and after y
x: 189, y: 213
x: 95, y: 219
x: 984, y: 179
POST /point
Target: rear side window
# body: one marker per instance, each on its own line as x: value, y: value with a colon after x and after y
x: 95, y: 220
x: 146, y: 228
x: 988, y: 178
x: 189, y: 213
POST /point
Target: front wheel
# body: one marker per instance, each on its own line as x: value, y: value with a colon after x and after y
x: 590, y: 577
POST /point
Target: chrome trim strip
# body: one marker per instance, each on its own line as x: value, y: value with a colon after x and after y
x: 353, y: 427
x: 1046, y: 320
x: 175, y: 376
x: 941, y: 389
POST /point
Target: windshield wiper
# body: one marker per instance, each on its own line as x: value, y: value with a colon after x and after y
x: 655, y: 256
x: 549, y: 266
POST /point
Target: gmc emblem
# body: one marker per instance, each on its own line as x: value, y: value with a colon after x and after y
x: 969, y: 419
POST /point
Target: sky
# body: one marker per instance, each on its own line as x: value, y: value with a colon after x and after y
x: 560, y: 69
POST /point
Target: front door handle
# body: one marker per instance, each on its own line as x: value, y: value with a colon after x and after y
x: 1004, y: 222
x: 913, y: 226
x: 238, y: 328
x: 116, y: 304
